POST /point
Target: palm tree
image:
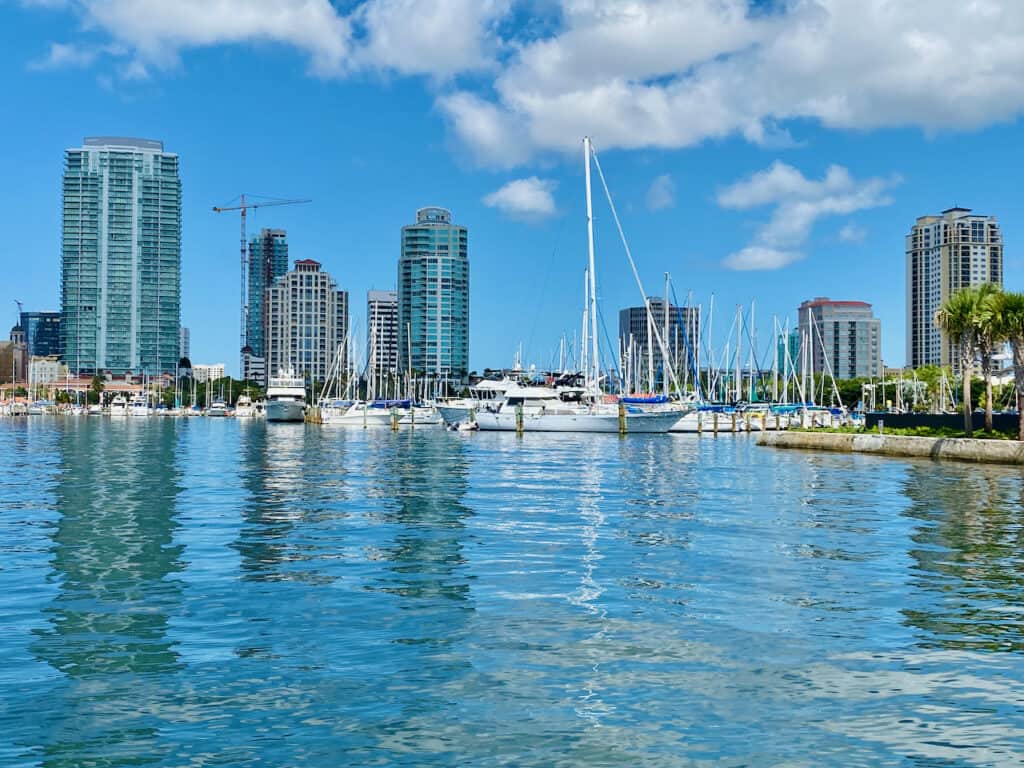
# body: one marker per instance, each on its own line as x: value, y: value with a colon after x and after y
x: 959, y: 319
x: 1010, y: 310
x: 989, y: 335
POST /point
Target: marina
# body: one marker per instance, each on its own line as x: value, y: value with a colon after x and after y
x: 488, y: 599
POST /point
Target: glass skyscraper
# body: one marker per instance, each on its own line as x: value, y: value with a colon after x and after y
x: 121, y: 257
x: 42, y: 333
x: 433, y: 296
x: 268, y: 260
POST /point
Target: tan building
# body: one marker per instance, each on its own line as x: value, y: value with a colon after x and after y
x: 307, y: 322
x: 945, y: 253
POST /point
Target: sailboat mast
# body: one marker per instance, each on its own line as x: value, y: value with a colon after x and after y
x: 595, y: 361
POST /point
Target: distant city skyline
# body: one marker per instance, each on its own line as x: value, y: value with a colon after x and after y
x: 801, y: 181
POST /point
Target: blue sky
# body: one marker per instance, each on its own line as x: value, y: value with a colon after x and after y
x: 767, y: 154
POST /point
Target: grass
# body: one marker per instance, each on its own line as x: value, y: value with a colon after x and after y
x: 944, y: 432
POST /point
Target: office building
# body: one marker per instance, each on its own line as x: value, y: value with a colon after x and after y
x: 382, y: 332
x: 184, y: 343
x: 307, y: 322
x: 208, y: 372
x: 121, y: 257
x: 945, y: 253
x: 639, y: 344
x: 841, y: 338
x: 268, y: 260
x: 433, y: 297
x: 42, y: 333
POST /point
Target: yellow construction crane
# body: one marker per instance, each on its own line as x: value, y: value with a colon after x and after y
x: 242, y: 204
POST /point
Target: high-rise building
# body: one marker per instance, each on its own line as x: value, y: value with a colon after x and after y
x: 945, y: 253
x: 42, y: 333
x: 843, y: 338
x: 121, y: 257
x: 382, y: 332
x: 640, y: 347
x: 787, y: 351
x: 433, y: 296
x: 184, y: 343
x: 268, y: 260
x: 307, y: 322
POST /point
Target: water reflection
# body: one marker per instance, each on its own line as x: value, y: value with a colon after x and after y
x: 114, y: 559
x: 968, y: 542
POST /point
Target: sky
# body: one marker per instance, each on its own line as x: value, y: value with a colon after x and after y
x: 762, y: 152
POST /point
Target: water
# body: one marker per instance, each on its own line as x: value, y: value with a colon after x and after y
x: 222, y: 593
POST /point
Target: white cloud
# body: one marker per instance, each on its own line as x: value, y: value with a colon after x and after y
x: 529, y: 198
x: 662, y: 193
x: 798, y: 203
x: 852, y: 233
x: 63, y: 55
x: 673, y: 73
x: 759, y: 257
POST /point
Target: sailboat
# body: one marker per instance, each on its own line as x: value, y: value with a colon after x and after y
x: 542, y: 409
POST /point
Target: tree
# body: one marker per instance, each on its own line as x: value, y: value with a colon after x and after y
x: 96, y: 390
x: 989, y: 331
x: 959, y: 319
x: 1010, y: 308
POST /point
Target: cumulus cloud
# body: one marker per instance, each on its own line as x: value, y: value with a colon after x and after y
x: 529, y: 198
x: 662, y: 193
x: 852, y: 233
x: 798, y: 202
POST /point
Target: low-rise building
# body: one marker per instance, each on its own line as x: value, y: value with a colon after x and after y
x: 211, y: 372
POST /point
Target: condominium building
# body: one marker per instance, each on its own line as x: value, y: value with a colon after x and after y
x: 639, y: 343
x: 121, y: 257
x: 184, y: 343
x: 42, y: 333
x: 433, y: 296
x: 45, y: 370
x: 841, y: 338
x: 212, y: 372
x: 382, y: 332
x: 945, y: 253
x: 307, y: 322
x: 268, y: 260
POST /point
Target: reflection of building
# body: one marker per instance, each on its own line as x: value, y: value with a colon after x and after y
x: 944, y: 254
x: 42, y: 333
x: 639, y: 343
x: 121, y: 257
x: 433, y: 296
x: 382, y: 331
x: 268, y: 260
x: 307, y: 322
x: 844, y: 338
x: 208, y: 372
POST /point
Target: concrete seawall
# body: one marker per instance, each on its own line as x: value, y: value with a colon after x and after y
x: 953, y: 448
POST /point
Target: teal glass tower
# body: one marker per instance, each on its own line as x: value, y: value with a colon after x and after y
x: 433, y: 297
x: 268, y: 260
x: 121, y: 257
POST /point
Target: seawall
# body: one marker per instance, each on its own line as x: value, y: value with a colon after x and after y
x: 952, y: 448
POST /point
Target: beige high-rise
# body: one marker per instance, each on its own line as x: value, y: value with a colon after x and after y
x: 945, y: 253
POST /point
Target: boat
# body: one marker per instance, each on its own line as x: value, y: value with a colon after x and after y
x: 95, y: 409
x: 286, y: 397
x: 244, y: 408
x: 455, y: 411
x: 218, y: 409
x: 119, y: 406
x: 360, y: 413
x: 140, y: 406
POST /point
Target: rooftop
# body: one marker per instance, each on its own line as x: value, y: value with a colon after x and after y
x: 123, y: 141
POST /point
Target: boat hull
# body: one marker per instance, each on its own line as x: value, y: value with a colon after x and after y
x: 453, y: 414
x: 607, y: 423
x: 286, y: 410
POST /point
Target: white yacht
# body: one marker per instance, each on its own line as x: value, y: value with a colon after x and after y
x: 286, y: 397
x: 218, y: 409
x: 377, y: 413
x: 140, y: 405
x: 244, y: 408
x: 119, y: 406
x: 457, y: 411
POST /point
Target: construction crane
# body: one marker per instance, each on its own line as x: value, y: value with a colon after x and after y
x: 243, y: 206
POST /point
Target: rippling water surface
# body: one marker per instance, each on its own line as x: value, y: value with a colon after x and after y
x: 223, y: 593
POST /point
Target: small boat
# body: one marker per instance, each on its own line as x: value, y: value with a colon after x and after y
x: 218, y: 409
x: 244, y: 408
x: 118, y: 406
x: 140, y: 405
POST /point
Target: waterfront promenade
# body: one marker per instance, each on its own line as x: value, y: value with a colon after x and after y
x: 231, y: 592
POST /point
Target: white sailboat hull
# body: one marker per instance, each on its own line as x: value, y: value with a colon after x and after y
x: 608, y: 423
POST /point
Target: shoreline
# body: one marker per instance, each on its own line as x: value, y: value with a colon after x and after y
x: 947, y: 448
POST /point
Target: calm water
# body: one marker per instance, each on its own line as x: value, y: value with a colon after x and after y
x: 222, y: 593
